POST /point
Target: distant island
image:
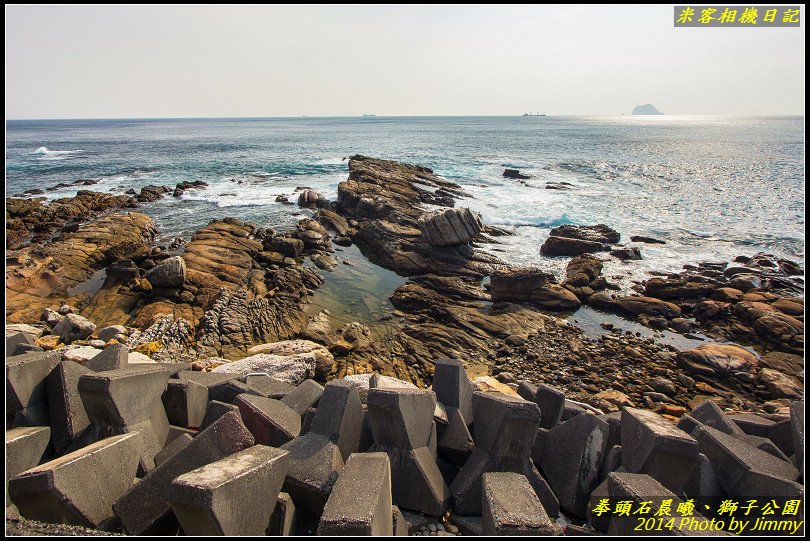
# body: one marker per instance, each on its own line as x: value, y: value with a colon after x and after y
x: 646, y: 109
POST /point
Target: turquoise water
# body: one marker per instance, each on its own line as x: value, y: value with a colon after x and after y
x: 711, y: 187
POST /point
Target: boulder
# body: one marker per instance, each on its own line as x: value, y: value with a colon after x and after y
x: 324, y: 361
x: 450, y: 227
x: 74, y: 327
x: 555, y: 297
x: 312, y: 198
x: 289, y: 368
x: 170, y: 274
x: 721, y: 358
x: 650, y: 306
x: 561, y: 246
x: 515, y: 174
x: 596, y: 233
x: 517, y: 284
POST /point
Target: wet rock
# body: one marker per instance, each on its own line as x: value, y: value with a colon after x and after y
x: 648, y: 306
x: 312, y: 198
x: 582, y: 270
x: 515, y: 174
x: 600, y: 233
x: 626, y: 254
x: 647, y: 240
x: 555, y: 246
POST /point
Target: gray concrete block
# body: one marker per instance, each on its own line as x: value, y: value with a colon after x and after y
x: 270, y: 421
x: 466, y: 488
x: 210, y: 500
x: 797, y: 430
x: 339, y: 416
x: 21, y: 349
x: 502, y: 422
x: 214, y: 410
x: 209, y: 379
x: 449, y: 471
x: 468, y: 525
x: 764, y: 444
x: 418, y: 484
x: 122, y: 397
x: 453, y: 388
x: 781, y: 433
x: 78, y: 488
x: 433, y: 441
x: 572, y: 460
x: 284, y: 517
x: 599, y: 521
x: 752, y: 424
x: 185, y: 402
x: 614, y: 422
x: 306, y: 420
x: 172, y: 448
x: 16, y: 340
x: 539, y: 445
x: 303, y: 397
x: 227, y: 391
x: 551, y: 402
x: 67, y: 414
x: 26, y: 447
x: 360, y: 502
x: 703, y: 485
x: 455, y: 444
x: 177, y: 431
x: 267, y: 386
x: 510, y: 507
x: 744, y: 471
x: 114, y: 357
x: 710, y: 414
x: 401, y: 417
x: 25, y: 380
x: 314, y: 466
x: 636, y: 488
x: 145, y: 507
x: 612, y: 462
x: 571, y: 410
x: 400, y: 524
x: 653, y: 445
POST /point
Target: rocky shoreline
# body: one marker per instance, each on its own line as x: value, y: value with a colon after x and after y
x: 89, y: 291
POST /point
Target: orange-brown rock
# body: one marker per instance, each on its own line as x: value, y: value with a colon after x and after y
x: 47, y: 276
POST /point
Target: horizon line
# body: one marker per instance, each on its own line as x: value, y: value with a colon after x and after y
x: 365, y: 115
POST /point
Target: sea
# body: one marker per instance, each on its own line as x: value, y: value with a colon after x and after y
x: 710, y: 187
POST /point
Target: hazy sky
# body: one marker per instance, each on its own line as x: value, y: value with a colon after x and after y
x: 101, y: 62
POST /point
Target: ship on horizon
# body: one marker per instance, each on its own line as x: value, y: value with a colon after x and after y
x: 369, y: 114
x: 534, y: 114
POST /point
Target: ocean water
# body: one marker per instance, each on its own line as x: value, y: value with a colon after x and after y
x: 711, y: 187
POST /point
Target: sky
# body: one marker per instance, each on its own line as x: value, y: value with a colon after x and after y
x: 264, y: 61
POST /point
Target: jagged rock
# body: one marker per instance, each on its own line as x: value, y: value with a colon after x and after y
x: 450, y: 227
x: 626, y: 253
x: 582, y: 270
x: 27, y: 216
x: 517, y: 284
x: 647, y: 240
x: 597, y: 233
